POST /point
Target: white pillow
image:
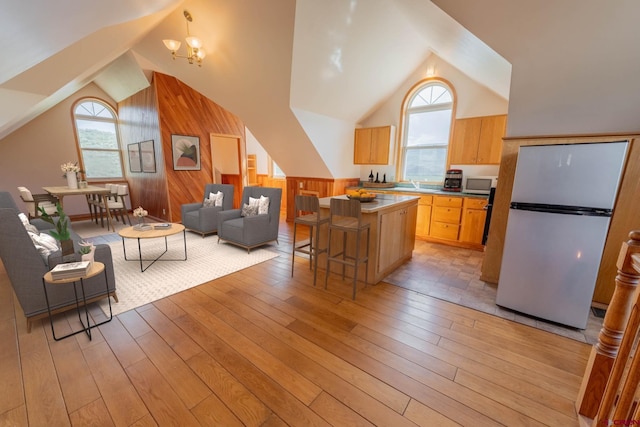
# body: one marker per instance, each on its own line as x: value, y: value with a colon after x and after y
x: 23, y: 218
x: 219, y: 198
x: 45, y: 244
x: 263, y: 207
x: 216, y: 199
x: 262, y: 203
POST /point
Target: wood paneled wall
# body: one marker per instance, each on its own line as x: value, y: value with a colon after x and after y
x: 170, y: 107
x: 138, y: 118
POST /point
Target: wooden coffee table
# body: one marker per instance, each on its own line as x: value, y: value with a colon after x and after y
x: 133, y: 233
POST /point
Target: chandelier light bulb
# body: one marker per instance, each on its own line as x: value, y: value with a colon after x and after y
x: 172, y: 45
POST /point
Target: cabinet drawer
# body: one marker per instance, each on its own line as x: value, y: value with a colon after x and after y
x: 425, y: 200
x: 473, y: 203
x: 443, y: 230
x: 455, y: 202
x: 448, y: 215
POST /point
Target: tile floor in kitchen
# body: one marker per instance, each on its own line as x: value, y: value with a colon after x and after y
x: 453, y: 274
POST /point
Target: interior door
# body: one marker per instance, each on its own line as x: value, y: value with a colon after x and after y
x: 227, y: 164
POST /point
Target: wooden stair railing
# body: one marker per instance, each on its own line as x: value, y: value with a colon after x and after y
x: 605, y: 394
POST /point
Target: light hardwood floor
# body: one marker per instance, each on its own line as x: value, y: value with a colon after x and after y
x: 260, y: 348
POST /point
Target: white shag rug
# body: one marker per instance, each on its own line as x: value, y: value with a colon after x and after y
x: 206, y: 260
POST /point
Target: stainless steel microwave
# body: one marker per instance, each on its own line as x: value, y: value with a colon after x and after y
x: 479, y: 184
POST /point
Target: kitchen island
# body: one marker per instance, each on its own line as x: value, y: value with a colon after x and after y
x: 392, y: 219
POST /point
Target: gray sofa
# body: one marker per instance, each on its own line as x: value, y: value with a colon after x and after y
x: 25, y: 266
x: 251, y: 231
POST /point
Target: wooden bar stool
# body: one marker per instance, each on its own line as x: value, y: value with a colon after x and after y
x: 307, y: 212
x: 345, y: 217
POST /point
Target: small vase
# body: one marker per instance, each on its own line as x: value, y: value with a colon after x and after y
x: 88, y: 257
x: 72, y: 180
x: 140, y: 224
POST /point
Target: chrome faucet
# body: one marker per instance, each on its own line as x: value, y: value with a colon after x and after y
x: 416, y: 185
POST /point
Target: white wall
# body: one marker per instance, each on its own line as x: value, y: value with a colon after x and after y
x: 472, y: 100
x: 31, y: 156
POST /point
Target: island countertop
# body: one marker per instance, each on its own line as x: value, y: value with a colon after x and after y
x: 392, y: 222
x: 381, y: 202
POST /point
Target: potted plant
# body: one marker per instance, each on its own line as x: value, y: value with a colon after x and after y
x: 86, y: 251
x: 61, y: 231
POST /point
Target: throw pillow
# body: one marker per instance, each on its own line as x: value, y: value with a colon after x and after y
x: 219, y: 197
x: 45, y: 244
x: 248, y: 210
x: 214, y: 199
x: 23, y: 218
x: 263, y: 206
x: 262, y: 203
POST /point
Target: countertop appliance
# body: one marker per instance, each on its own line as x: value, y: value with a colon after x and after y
x: 561, y: 205
x: 479, y: 184
x: 453, y: 180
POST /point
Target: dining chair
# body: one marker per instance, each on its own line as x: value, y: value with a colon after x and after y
x: 36, y: 201
x: 307, y: 212
x: 345, y: 218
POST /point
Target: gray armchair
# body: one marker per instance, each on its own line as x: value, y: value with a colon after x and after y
x: 204, y: 219
x: 252, y: 231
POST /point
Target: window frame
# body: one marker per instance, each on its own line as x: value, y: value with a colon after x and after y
x: 114, y: 119
x: 404, y: 123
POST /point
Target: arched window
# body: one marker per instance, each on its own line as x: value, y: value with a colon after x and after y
x: 97, y: 137
x: 427, y: 115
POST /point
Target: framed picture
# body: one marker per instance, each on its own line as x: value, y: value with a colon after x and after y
x: 147, y: 156
x: 134, y: 157
x: 186, y: 152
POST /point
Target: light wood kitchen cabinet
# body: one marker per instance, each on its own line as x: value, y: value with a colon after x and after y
x: 445, y: 217
x: 478, y: 140
x: 371, y: 145
x: 473, y: 218
x: 424, y: 216
x: 396, y: 236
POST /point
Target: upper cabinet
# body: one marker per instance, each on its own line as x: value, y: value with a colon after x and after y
x: 478, y: 140
x: 371, y: 145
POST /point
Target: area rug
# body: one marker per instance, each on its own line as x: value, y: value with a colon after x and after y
x: 206, y: 260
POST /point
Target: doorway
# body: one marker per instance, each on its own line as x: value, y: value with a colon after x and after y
x: 227, y: 164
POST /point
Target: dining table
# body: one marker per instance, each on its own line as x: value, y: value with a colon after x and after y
x: 61, y: 191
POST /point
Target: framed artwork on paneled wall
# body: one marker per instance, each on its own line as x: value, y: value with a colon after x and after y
x: 186, y: 152
x: 134, y: 157
x: 147, y: 156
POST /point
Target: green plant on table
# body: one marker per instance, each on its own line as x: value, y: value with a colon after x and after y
x: 61, y: 226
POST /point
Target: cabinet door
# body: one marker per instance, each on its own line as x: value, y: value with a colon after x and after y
x: 390, y: 239
x: 490, y: 141
x: 472, y: 225
x: 464, y: 144
x: 408, y: 227
x: 380, y: 139
x: 423, y: 220
x: 362, y: 146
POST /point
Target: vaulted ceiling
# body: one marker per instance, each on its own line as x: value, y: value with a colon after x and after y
x: 334, y: 60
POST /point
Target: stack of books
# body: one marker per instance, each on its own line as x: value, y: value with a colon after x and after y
x: 162, y: 225
x: 70, y: 269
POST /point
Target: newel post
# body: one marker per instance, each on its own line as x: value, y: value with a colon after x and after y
x: 603, y: 354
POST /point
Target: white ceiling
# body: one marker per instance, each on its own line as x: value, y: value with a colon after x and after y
x: 335, y: 58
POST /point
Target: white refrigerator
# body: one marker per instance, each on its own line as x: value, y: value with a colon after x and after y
x: 561, y: 205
